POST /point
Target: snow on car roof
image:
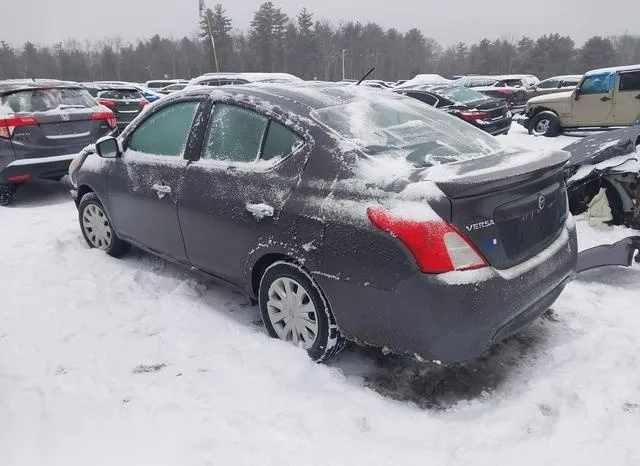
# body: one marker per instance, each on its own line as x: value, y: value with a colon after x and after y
x: 9, y: 85
x: 250, y: 77
x: 615, y: 69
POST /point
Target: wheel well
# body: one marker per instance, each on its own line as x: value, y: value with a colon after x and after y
x: 262, y: 265
x: 82, y: 190
x: 542, y: 109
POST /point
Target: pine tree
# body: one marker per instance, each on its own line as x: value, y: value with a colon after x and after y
x: 220, y: 29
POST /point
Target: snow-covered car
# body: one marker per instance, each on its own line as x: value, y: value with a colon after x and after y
x: 344, y: 212
x: 603, y: 173
x: 228, y: 79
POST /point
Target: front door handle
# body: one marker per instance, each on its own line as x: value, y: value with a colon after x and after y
x: 259, y: 211
x: 161, y: 190
x: 605, y: 99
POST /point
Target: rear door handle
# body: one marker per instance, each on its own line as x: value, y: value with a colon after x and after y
x: 161, y: 190
x: 605, y: 99
x: 259, y: 211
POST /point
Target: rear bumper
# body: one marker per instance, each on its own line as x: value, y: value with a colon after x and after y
x: 456, y: 316
x: 44, y: 167
x: 496, y: 127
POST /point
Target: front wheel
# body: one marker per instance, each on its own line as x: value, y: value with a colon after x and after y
x: 294, y: 309
x: 545, y: 124
x: 96, y: 228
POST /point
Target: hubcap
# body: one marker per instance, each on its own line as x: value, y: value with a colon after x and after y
x: 543, y: 126
x: 292, y: 313
x: 96, y: 226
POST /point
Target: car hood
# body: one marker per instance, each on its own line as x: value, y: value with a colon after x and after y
x: 550, y: 98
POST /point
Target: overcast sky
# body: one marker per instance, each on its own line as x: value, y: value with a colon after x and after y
x: 448, y: 21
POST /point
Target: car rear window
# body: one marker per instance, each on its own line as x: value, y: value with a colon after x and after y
x: 42, y: 100
x: 120, y: 94
x: 513, y: 82
x: 404, y: 127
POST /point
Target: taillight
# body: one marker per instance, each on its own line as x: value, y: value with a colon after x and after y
x: 105, y: 115
x: 107, y: 103
x: 144, y: 103
x: 437, y: 246
x: 474, y: 115
x: 8, y: 124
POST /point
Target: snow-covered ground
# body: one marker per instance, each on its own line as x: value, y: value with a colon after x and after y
x: 137, y: 362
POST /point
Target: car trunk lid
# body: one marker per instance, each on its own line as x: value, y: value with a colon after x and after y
x: 510, y: 205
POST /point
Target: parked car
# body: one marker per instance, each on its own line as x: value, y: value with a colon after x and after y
x: 555, y: 84
x: 484, y: 112
x: 609, y: 161
x: 126, y: 102
x: 147, y: 93
x: 607, y: 97
x: 157, y: 84
x: 43, y: 125
x: 513, y: 89
x: 424, y: 80
x: 329, y: 205
x: 226, y: 79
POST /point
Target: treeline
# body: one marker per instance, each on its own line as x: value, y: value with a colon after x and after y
x: 311, y: 49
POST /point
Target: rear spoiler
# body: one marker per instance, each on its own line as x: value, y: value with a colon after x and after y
x: 619, y: 253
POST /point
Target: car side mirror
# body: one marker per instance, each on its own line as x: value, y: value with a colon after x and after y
x: 576, y: 93
x: 108, y: 148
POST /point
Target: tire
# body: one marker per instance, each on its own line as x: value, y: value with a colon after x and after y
x: 295, y: 282
x: 96, y: 227
x: 7, y: 190
x: 545, y: 124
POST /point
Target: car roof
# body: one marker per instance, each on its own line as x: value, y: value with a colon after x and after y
x: 615, y: 69
x: 249, y: 77
x: 309, y: 94
x: 566, y: 76
x: 104, y: 86
x: 12, y: 85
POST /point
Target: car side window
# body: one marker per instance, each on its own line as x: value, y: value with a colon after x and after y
x: 280, y: 141
x: 423, y: 97
x: 165, y: 132
x: 570, y: 83
x: 234, y: 134
x: 597, y: 83
x: 629, y: 82
x: 548, y: 84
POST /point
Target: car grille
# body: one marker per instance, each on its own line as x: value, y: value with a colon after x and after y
x: 525, y: 229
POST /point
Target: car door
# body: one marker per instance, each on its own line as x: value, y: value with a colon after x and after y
x: 626, y: 99
x: 593, y: 106
x: 234, y: 194
x: 144, y: 183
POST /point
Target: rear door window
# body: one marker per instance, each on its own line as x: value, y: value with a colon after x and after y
x: 629, y: 82
x: 42, y: 100
x: 280, y: 141
x: 234, y: 135
x: 166, y: 131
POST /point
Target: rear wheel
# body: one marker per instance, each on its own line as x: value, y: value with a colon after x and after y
x: 294, y: 309
x: 7, y: 190
x: 545, y: 124
x: 96, y: 227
